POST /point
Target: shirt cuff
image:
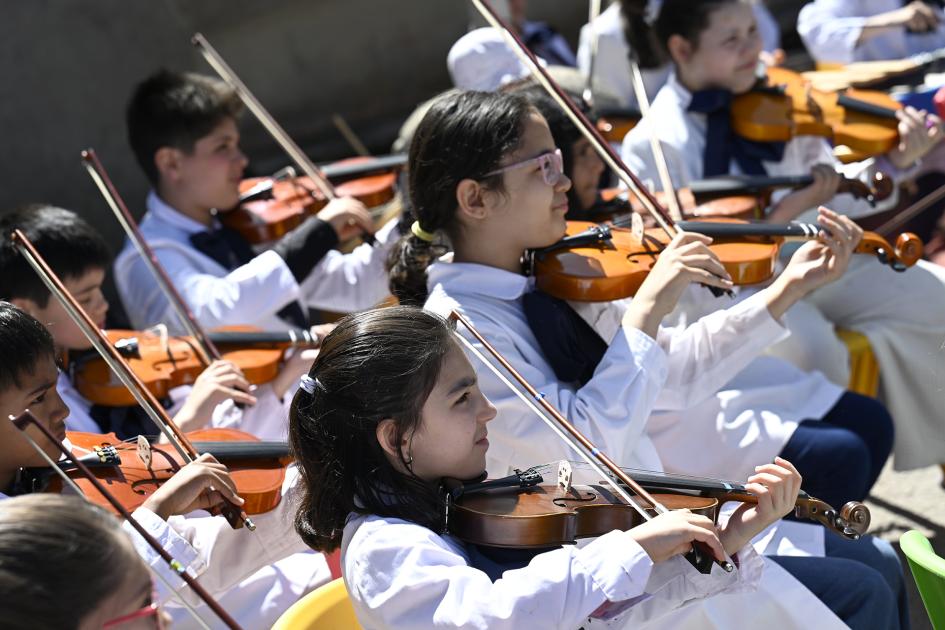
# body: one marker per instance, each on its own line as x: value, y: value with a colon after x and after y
x: 172, y: 542
x: 618, y: 564
x: 645, y: 353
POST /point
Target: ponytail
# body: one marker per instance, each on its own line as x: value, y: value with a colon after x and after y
x: 645, y: 47
x: 463, y: 135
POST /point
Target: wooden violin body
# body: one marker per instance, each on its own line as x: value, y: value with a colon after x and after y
x: 291, y: 201
x: 257, y: 472
x: 614, y: 267
x: 865, y: 121
x: 165, y: 363
x: 547, y: 515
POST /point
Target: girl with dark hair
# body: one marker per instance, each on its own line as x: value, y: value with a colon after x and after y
x: 487, y: 182
x: 713, y: 44
x: 390, y: 409
x: 623, y: 31
x: 66, y: 564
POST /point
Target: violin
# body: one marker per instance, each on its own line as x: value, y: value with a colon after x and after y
x: 523, y: 511
x: 165, y: 363
x: 270, y: 207
x: 785, y: 105
x: 596, y: 263
x: 615, y: 123
x: 133, y: 471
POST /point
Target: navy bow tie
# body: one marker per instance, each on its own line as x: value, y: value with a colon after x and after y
x: 722, y: 145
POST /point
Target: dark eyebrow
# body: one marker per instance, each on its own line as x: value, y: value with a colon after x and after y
x: 462, y: 384
x: 43, y: 387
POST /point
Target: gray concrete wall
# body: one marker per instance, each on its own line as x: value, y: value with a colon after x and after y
x: 69, y: 66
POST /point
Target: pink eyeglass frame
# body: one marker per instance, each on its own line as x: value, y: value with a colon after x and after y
x: 551, y: 163
x: 151, y: 610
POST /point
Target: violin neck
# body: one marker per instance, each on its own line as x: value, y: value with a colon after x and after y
x: 724, y: 230
x: 296, y: 337
x: 340, y: 173
x: 715, y: 488
x: 863, y: 107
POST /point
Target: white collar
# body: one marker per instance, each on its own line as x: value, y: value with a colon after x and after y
x: 683, y: 95
x: 476, y: 279
x: 163, y: 212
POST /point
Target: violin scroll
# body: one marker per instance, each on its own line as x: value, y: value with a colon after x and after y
x: 851, y: 522
x: 906, y: 252
x: 879, y: 188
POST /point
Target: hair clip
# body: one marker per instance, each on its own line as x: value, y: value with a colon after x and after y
x: 308, y: 384
x: 420, y: 233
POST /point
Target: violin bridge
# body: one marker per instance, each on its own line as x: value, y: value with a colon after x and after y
x: 564, y: 476
x: 144, y: 451
x: 636, y: 226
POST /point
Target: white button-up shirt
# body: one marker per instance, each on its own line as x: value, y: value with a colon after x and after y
x: 651, y: 404
x: 831, y: 29
x: 251, y: 294
x: 405, y: 576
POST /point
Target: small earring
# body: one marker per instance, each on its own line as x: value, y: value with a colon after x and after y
x: 409, y: 459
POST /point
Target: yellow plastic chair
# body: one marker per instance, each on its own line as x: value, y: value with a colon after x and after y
x: 325, y: 608
x: 864, y: 371
x: 928, y: 570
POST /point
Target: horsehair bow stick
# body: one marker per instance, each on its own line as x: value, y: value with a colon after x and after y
x: 593, y: 13
x: 205, y: 347
x: 233, y: 513
x: 265, y: 118
x: 917, y: 208
x: 24, y: 420
x: 655, y: 146
x: 601, y: 146
x: 599, y: 461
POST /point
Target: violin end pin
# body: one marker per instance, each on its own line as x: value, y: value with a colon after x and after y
x: 728, y: 566
x: 248, y: 522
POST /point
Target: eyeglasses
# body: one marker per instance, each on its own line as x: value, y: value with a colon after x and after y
x: 151, y: 610
x: 551, y: 163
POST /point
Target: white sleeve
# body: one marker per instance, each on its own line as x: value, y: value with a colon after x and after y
x: 260, y: 288
x: 675, y: 583
x: 703, y: 355
x: 611, y: 409
x: 637, y: 154
x: 830, y: 30
x: 404, y: 576
x: 355, y: 281
x: 267, y: 419
x: 222, y: 557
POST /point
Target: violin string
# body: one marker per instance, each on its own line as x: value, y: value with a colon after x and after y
x: 587, y: 457
x: 174, y: 593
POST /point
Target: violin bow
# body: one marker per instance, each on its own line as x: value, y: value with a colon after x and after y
x: 600, y: 462
x: 917, y: 208
x: 205, y: 347
x: 234, y: 515
x: 597, y: 141
x: 666, y: 181
x: 265, y: 118
x: 593, y: 13
x: 26, y: 419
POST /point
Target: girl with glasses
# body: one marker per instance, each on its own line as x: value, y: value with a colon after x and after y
x: 489, y: 219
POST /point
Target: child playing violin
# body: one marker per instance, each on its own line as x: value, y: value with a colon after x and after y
x: 713, y: 45
x: 65, y: 563
x: 79, y: 255
x: 390, y: 409
x: 486, y: 181
x: 256, y: 576
x: 182, y: 129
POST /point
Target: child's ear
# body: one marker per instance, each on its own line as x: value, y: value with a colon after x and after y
x: 167, y: 162
x: 386, y: 432
x: 470, y: 198
x: 26, y: 305
x: 680, y: 49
